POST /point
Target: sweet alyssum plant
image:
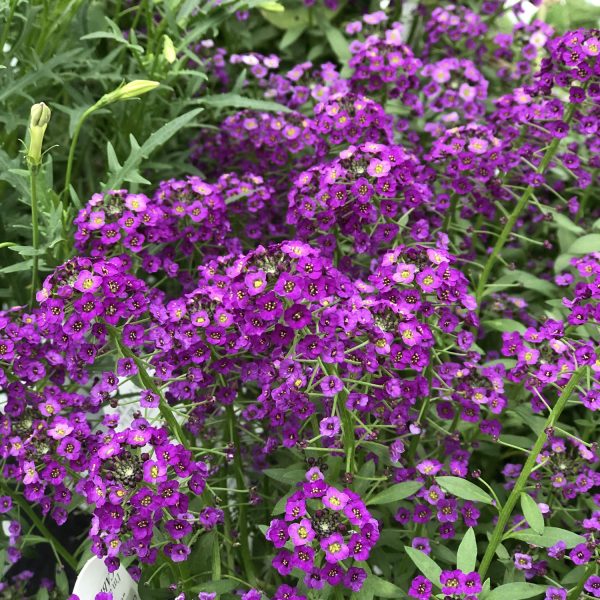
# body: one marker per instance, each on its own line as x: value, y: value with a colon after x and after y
x: 353, y: 353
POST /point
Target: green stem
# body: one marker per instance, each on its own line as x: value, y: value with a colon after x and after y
x: 39, y: 524
x: 575, y: 593
x: 33, y: 171
x: 512, y: 219
x: 74, y: 140
x: 239, y: 478
x: 345, y: 418
x: 515, y: 494
x: 148, y: 382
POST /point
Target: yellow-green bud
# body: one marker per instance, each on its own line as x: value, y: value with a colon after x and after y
x: 169, y: 50
x: 272, y: 6
x: 130, y: 90
x: 38, y: 121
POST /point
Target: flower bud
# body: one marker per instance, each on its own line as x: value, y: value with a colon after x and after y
x: 169, y: 50
x: 272, y: 6
x: 38, y: 121
x: 130, y: 90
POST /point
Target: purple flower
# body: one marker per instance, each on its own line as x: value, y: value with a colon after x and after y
x: 177, y: 552
x: 331, y: 385
x: 301, y: 533
x: 87, y: 282
x: 378, y: 168
x: 336, y: 550
x: 354, y: 578
x: 334, y: 499
x: 581, y: 554
x: 592, y: 586
x: 451, y: 582
x: 329, y: 427
x: 554, y: 593
x: 523, y: 562
x: 420, y: 588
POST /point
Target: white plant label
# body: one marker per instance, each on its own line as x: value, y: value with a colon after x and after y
x: 95, y: 578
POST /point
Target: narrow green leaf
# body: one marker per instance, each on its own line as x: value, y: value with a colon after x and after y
x: 504, y: 325
x: 290, y: 36
x: 20, y: 266
x: 237, y: 101
x: 337, y: 41
x: 551, y: 536
x: 157, y: 139
x: 461, y: 488
x: 293, y: 17
x: 381, y: 588
x: 466, y: 556
x: 425, y: 564
x: 586, y: 244
x: 532, y: 513
x: 396, y: 492
x: 285, y: 475
x: 516, y: 591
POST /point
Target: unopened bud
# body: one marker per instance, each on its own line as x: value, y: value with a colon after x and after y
x: 271, y: 5
x: 169, y: 50
x: 38, y: 121
x: 130, y: 90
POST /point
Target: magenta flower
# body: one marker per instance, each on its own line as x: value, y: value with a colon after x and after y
x: 420, y: 588
x: 329, y: 427
x: 87, y: 282
x: 301, y: 533
x: 378, y: 168
x: 334, y: 499
x: 335, y: 548
x: 331, y: 385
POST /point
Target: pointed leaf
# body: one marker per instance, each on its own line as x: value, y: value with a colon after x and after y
x: 425, y: 564
x: 532, y: 513
x: 461, y: 488
x: 466, y: 557
x: 396, y: 492
x: 551, y: 536
x: 516, y: 591
x: 128, y: 171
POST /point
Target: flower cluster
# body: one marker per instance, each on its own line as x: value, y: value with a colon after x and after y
x: 324, y: 527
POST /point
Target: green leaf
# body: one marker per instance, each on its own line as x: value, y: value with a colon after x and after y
x: 237, y: 101
x: 516, y: 591
x: 425, y: 564
x: 551, y: 536
x: 20, y: 266
x: 563, y: 222
x: 139, y: 153
x: 290, y: 36
x: 381, y: 588
x: 586, y: 244
x: 508, y: 325
x: 286, y: 475
x: 337, y: 41
x: 466, y: 556
x: 222, y: 586
x: 396, y: 492
x: 461, y: 488
x: 293, y: 17
x: 280, y: 506
x: 532, y: 513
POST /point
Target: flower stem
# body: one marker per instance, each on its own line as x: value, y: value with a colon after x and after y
x: 242, y: 517
x: 35, y: 229
x: 512, y: 219
x: 148, y: 382
x: 575, y: 593
x: 71, y: 157
x: 59, y: 549
x: 515, y: 494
